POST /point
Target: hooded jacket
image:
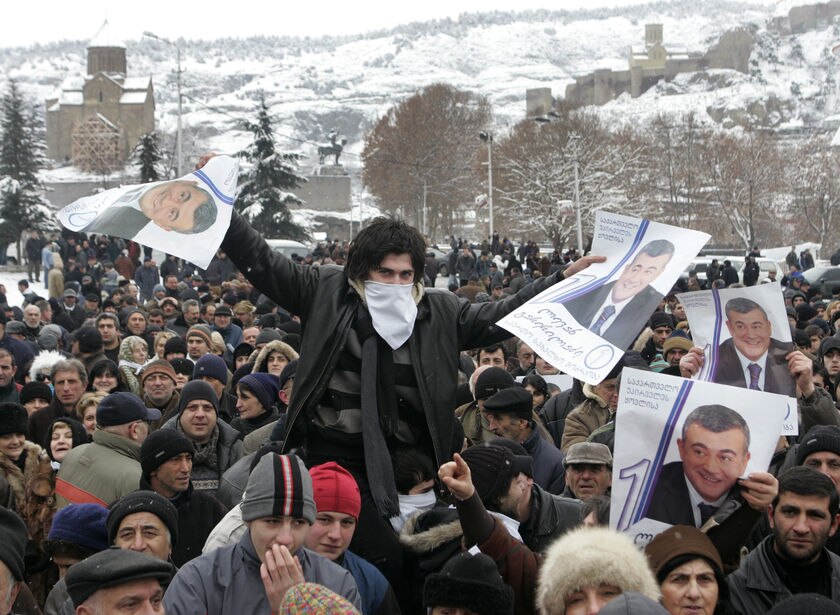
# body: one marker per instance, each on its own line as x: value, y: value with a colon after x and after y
x: 261, y: 359
x: 444, y: 326
x: 227, y: 580
x: 586, y: 418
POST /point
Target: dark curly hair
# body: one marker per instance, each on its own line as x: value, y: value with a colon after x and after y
x: 381, y: 237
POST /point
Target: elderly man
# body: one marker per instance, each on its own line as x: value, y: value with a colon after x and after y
x: 115, y: 580
x: 588, y: 470
x: 158, y: 381
x: 484, y: 382
x: 217, y: 444
x: 253, y: 575
x: 190, y: 315
x: 145, y: 522
x: 166, y: 458
x: 107, y: 468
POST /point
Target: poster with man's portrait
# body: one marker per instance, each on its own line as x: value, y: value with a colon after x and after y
x: 584, y: 324
x: 745, y: 337
x: 186, y: 217
x: 681, y: 445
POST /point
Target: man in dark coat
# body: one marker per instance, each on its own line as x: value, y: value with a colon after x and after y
x: 166, y: 457
x: 617, y: 310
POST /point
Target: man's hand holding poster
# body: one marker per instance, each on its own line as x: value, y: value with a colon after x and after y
x: 584, y: 324
x: 186, y: 217
x: 683, y: 448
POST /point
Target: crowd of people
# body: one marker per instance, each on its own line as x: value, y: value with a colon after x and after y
x: 333, y: 434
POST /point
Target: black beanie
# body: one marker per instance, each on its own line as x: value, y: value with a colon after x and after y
x: 185, y: 367
x: 90, y: 340
x: 492, y: 468
x: 161, y: 446
x: 13, y: 419
x: 142, y: 501
x: 12, y: 542
x: 470, y: 582
x: 813, y: 604
x: 175, y: 345
x: 35, y: 390
x: 492, y: 380
x: 818, y: 438
x: 197, y: 389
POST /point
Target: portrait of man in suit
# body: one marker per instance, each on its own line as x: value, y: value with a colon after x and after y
x: 180, y: 206
x: 752, y: 358
x: 618, y: 310
x: 714, y: 452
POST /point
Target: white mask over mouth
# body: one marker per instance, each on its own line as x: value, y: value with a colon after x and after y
x: 392, y: 309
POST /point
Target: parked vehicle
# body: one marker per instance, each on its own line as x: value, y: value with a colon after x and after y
x: 288, y: 248
x: 442, y: 259
x: 825, y: 279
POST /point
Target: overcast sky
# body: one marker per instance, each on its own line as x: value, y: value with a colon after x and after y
x: 31, y: 21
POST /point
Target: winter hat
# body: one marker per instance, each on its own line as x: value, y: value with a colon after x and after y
x: 264, y: 386
x: 182, y: 366
x: 335, y: 489
x: 35, y: 390
x: 293, y: 340
x: 113, y: 567
x: 142, y: 501
x: 12, y: 542
x: 175, y: 345
x: 213, y: 366
x: 515, y: 400
x: 223, y: 310
x: 287, y: 374
x: 818, y: 438
x: 49, y: 337
x: 661, y: 319
x: 243, y: 350
x: 158, y: 366
x: 677, y: 339
x: 522, y: 461
x: 492, y: 380
x: 268, y: 335
x: 632, y: 603
x: 289, y: 326
x: 159, y: 288
x: 469, y: 582
x: 680, y: 540
x: 588, y: 452
x: 90, y: 340
x: 202, y: 331
x: 591, y: 556
x: 813, y: 604
x: 279, y: 486
x: 314, y: 599
x: 492, y: 468
x: 15, y: 327
x: 805, y: 312
x: 160, y: 446
x: 81, y: 524
x: 123, y: 407
x: 197, y: 389
x: 13, y: 419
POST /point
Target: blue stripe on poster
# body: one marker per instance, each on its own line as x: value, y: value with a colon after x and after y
x: 219, y: 194
x: 662, y: 450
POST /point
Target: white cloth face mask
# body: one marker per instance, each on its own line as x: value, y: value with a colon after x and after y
x: 393, y: 311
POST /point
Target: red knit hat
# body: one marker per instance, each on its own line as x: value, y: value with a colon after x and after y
x: 335, y: 489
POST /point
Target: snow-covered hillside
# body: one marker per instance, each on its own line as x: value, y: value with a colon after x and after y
x: 313, y: 85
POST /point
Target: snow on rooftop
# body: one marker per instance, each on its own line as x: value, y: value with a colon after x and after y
x: 136, y: 83
x: 133, y: 98
x: 71, y: 98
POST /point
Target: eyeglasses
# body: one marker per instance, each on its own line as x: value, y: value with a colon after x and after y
x: 42, y: 377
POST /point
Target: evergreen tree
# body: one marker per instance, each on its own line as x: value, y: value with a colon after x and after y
x: 262, y: 197
x: 23, y: 205
x: 147, y: 156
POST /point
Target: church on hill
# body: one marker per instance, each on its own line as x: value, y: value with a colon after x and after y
x: 94, y: 121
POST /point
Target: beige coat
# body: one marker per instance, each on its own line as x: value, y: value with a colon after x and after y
x: 586, y: 418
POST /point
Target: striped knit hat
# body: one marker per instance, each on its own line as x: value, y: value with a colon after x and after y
x: 279, y: 486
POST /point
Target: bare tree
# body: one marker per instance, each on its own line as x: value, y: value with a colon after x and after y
x: 426, y: 145
x: 813, y: 179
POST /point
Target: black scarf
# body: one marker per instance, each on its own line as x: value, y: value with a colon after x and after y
x: 380, y: 416
x: 802, y: 578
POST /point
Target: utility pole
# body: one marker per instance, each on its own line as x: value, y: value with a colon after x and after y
x: 178, y: 136
x: 488, y: 138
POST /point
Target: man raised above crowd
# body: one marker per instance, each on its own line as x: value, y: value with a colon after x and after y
x: 376, y: 326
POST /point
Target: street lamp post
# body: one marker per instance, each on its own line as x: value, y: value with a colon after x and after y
x: 178, y: 136
x: 488, y: 138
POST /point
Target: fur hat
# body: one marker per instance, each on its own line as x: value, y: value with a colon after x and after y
x: 175, y: 345
x: 591, y: 556
x: 279, y: 486
x: 13, y: 419
x: 470, y: 582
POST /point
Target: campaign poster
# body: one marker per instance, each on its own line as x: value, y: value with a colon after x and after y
x: 681, y: 445
x: 583, y: 324
x: 186, y: 217
x: 745, y: 337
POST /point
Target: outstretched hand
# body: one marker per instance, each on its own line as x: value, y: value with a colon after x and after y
x: 582, y: 263
x: 691, y: 362
x: 457, y: 478
x: 759, y: 489
x: 800, y: 368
